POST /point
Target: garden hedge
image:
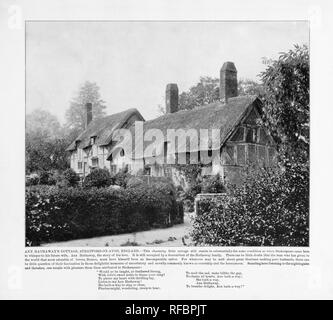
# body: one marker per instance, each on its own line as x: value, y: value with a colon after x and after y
x: 59, y: 214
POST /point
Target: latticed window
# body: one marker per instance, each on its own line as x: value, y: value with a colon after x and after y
x: 94, y: 162
x: 240, y: 155
x: 238, y: 135
x: 262, y: 155
x: 251, y: 153
x: 147, y: 171
x: 229, y: 155
x: 167, y: 172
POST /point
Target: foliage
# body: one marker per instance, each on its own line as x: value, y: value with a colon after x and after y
x: 270, y: 209
x: 44, y: 177
x: 98, y: 178
x: 32, y: 180
x: 250, y: 87
x: 286, y: 102
x: 121, y: 178
x: 46, y: 143
x: 58, y: 214
x: 204, y: 92
x: 213, y: 184
x: 71, y: 177
x: 43, y: 124
x: 75, y: 115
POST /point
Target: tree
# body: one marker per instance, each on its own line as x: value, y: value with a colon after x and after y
x: 286, y: 103
x: 204, y: 92
x: 250, y: 87
x: 43, y: 124
x: 75, y: 115
x: 46, y: 142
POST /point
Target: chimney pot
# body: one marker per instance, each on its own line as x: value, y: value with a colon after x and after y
x: 88, y: 114
x: 171, y: 98
x: 228, y: 81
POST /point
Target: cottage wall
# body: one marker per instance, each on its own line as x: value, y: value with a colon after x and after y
x: 249, y: 144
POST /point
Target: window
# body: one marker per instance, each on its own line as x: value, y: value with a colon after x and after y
x: 79, y: 165
x: 238, y: 135
x: 122, y: 152
x: 92, y: 140
x: 229, y: 155
x: 262, y: 156
x: 167, y: 172
x: 251, y: 153
x: 113, y: 168
x: 240, y: 155
x: 147, y: 171
x: 94, y: 162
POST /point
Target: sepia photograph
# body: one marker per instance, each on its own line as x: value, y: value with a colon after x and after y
x: 167, y: 133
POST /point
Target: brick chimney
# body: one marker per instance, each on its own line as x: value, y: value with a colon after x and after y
x: 171, y: 98
x: 88, y: 114
x: 228, y: 81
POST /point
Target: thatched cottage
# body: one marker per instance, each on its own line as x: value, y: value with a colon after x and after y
x: 92, y: 147
x: 225, y: 134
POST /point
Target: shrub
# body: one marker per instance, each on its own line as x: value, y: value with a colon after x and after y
x: 121, y: 178
x: 213, y: 184
x: 44, y: 177
x: 32, y: 180
x: 71, y: 177
x: 59, y: 214
x: 271, y: 208
x: 98, y: 178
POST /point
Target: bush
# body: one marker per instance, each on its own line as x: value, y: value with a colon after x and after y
x: 121, y: 178
x: 32, y: 180
x: 213, y: 184
x: 98, y: 178
x: 71, y: 177
x: 271, y: 208
x: 59, y: 214
x: 44, y: 177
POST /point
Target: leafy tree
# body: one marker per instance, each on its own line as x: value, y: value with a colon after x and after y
x: 250, y: 87
x: 204, y: 92
x: 207, y: 91
x: 75, y: 115
x: 286, y: 102
x: 43, y: 124
x: 46, y: 142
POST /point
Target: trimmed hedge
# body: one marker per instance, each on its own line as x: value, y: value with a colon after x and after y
x: 98, y: 178
x: 59, y: 214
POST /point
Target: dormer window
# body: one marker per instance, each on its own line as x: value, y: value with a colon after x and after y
x: 92, y: 140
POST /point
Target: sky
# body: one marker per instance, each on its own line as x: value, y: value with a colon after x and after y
x: 132, y: 62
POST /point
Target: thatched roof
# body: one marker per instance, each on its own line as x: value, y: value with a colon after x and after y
x: 218, y: 115
x: 102, y: 129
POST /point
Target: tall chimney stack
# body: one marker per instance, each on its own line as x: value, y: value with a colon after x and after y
x: 171, y: 98
x: 228, y: 81
x: 88, y: 114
